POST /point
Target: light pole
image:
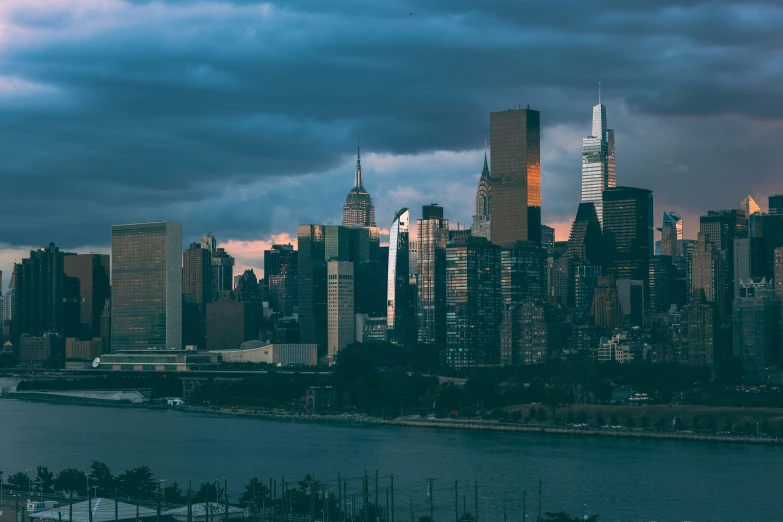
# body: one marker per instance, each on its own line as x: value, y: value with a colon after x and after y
x: 27, y: 472
x: 163, y: 491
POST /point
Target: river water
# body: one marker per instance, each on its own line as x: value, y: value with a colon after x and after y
x: 621, y: 479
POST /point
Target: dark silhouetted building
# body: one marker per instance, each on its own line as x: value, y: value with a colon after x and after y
x: 721, y: 228
x: 515, y: 142
x: 661, y: 283
x: 697, y: 333
x: 222, y: 272
x: 279, y: 259
x: 473, y: 303
x: 91, y: 274
x: 756, y: 328
x: 547, y: 237
x: 628, y: 231
x: 311, y: 280
x: 37, y: 349
x: 230, y: 323
x: 39, y: 292
x: 606, y: 309
x: 197, y: 274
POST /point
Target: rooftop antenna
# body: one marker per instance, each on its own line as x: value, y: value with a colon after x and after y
x: 599, y: 93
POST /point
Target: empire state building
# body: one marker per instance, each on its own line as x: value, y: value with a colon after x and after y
x: 358, y: 210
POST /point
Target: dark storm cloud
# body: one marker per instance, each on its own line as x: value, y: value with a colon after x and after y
x: 240, y: 118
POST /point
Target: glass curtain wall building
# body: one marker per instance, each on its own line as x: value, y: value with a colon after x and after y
x: 146, y: 285
x: 598, y: 161
x: 515, y: 141
x: 400, y: 301
x: 433, y: 232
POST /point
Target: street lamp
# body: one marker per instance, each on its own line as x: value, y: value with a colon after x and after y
x: 163, y: 491
x: 29, y: 483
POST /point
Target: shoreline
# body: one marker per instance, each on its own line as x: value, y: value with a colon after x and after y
x: 417, y: 422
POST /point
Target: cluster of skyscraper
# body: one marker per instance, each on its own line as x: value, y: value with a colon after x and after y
x: 503, y: 292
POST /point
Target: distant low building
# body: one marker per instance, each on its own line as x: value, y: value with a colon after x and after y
x: 277, y: 354
x: 160, y: 361
x: 38, y: 349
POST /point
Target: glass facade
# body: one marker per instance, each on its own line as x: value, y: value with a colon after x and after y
x: 400, y: 311
x: 515, y: 140
x: 598, y: 161
x: 661, y: 283
x: 311, y: 282
x: 92, y: 273
x: 146, y: 286
x: 628, y: 231
x: 433, y: 231
x: 473, y: 303
x: 671, y: 234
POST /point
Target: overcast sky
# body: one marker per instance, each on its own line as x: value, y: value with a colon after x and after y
x: 240, y: 118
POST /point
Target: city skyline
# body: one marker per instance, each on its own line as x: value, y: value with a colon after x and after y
x: 237, y: 143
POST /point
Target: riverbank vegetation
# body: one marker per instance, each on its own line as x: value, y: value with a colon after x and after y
x: 385, y: 380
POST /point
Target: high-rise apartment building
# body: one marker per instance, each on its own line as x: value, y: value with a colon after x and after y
x: 606, y: 309
x: 585, y: 244
x: 39, y: 290
x: 473, y: 303
x: 777, y: 277
x: 697, y: 333
x: 90, y: 273
x: 279, y: 259
x: 756, y: 328
x: 482, y: 217
x: 515, y: 142
x: 311, y: 281
x: 704, y: 268
x: 722, y: 227
x: 661, y: 283
x: 776, y: 204
x: 146, y: 280
x: 433, y: 234
x: 524, y: 269
x: 401, y: 299
x: 197, y: 274
x: 208, y: 242
x: 340, y: 288
x: 598, y: 161
x: 358, y: 210
x: 628, y: 231
x: 751, y: 261
x: 585, y: 281
x: 222, y: 272
x: 671, y: 235
x: 547, y: 237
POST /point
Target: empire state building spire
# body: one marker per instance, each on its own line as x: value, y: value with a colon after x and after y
x: 358, y: 210
x: 358, y: 179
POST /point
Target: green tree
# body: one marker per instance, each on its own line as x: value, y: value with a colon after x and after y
x: 581, y: 417
x: 570, y: 417
x: 660, y: 423
x: 255, y: 493
x: 208, y: 492
x: 137, y: 483
x: 19, y: 480
x: 614, y: 421
x: 629, y: 422
x: 173, y: 494
x: 541, y: 414
x: 71, y: 479
x: 600, y: 421
x: 44, y: 480
x: 645, y: 422
x: 101, y: 476
x: 531, y: 414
